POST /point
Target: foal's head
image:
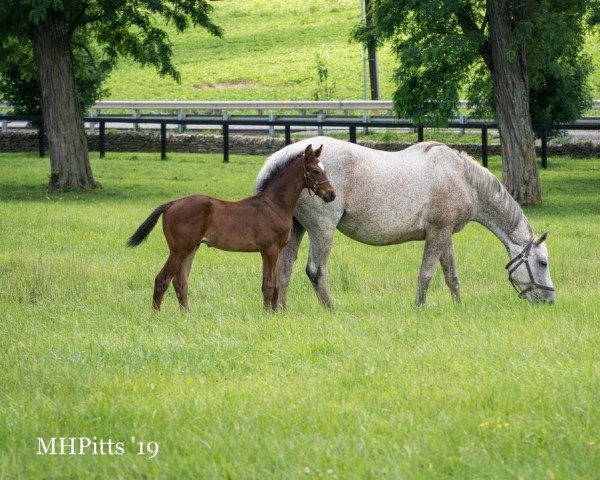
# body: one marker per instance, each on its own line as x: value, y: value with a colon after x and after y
x: 314, y: 174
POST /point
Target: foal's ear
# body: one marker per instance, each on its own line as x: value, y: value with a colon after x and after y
x: 318, y: 151
x: 542, y: 238
x: 309, y: 151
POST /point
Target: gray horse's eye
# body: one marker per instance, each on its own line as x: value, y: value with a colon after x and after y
x: 543, y: 263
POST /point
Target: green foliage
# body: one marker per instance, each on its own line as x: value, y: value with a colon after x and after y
x: 443, y: 51
x: 492, y: 388
x: 325, y: 89
x: 18, y: 84
x: 116, y: 29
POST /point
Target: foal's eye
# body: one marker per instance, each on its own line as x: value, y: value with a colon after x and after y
x: 543, y: 263
x: 315, y: 171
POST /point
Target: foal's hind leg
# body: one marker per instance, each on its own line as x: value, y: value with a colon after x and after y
x: 436, y: 241
x: 164, y: 277
x: 270, y: 285
x: 448, y: 262
x: 286, y: 264
x: 180, y: 281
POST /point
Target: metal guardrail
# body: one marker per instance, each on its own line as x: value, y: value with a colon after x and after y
x: 182, y: 107
x: 350, y: 123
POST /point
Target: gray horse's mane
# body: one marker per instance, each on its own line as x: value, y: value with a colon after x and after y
x: 491, y: 191
x: 273, y: 166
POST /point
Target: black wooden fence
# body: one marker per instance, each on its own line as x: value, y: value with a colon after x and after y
x: 287, y: 122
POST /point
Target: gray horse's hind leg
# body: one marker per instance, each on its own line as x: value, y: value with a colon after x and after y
x: 316, y: 268
x: 436, y: 241
x: 448, y: 262
x: 288, y: 257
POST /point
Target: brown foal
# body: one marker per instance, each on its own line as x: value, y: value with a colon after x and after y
x: 261, y: 223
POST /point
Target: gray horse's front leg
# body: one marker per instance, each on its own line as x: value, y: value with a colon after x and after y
x: 448, y: 262
x: 288, y: 257
x: 317, y: 266
x: 436, y: 241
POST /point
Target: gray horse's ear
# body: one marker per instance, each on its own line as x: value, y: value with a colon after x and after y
x: 542, y: 238
x: 309, y: 151
x: 318, y: 151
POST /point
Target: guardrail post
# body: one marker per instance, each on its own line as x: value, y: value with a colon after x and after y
x: 271, y: 126
x: 102, y: 139
x: 163, y: 141
x: 5, y: 125
x: 41, y: 139
x: 366, y: 119
x: 320, y: 117
x: 353, y: 134
x: 136, y: 116
x: 462, y: 119
x: 181, y: 116
x: 484, y: 146
x: 420, y: 135
x: 544, y: 148
x: 92, y: 126
x: 288, y: 135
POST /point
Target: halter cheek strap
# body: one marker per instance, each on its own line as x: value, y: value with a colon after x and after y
x: 523, y: 258
x: 308, y: 180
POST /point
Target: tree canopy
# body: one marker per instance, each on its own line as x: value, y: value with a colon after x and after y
x: 444, y: 53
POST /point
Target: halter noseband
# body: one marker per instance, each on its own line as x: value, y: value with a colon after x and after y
x: 516, y: 263
x: 308, y: 179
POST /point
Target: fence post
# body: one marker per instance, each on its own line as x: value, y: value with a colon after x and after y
x: 163, y: 141
x: 5, y: 125
x: 41, y: 139
x: 288, y: 135
x: 420, y: 133
x: 102, y: 139
x: 353, y: 133
x: 484, y: 146
x: 225, y: 137
x: 544, y: 147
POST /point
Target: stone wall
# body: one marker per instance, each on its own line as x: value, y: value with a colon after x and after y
x: 129, y: 141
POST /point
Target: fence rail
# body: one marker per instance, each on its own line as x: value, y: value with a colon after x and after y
x: 350, y: 123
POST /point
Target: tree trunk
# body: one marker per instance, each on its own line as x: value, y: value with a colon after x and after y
x: 511, y: 95
x: 63, y: 121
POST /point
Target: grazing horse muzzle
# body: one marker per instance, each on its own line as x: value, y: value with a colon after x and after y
x: 531, y: 290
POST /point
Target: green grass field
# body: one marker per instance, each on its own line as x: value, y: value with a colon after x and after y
x: 268, y: 52
x: 492, y: 388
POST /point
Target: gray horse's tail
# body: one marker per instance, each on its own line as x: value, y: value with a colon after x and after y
x: 145, y: 228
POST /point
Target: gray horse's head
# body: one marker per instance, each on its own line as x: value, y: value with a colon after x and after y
x: 529, y: 272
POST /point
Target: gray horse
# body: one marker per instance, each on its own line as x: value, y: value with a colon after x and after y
x: 425, y: 192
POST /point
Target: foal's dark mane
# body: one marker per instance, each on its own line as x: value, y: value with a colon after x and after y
x: 274, y: 166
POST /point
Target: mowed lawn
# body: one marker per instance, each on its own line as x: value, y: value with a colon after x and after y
x: 491, y: 388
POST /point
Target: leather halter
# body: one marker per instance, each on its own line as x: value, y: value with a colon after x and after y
x: 523, y: 258
x: 308, y: 179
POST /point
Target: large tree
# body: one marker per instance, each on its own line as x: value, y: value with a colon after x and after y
x: 117, y: 28
x: 519, y: 60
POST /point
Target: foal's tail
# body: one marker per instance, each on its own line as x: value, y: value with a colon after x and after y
x: 145, y: 228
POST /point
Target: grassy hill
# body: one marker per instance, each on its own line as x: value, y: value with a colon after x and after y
x: 269, y: 52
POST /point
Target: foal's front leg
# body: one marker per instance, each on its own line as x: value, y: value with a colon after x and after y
x: 270, y: 285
